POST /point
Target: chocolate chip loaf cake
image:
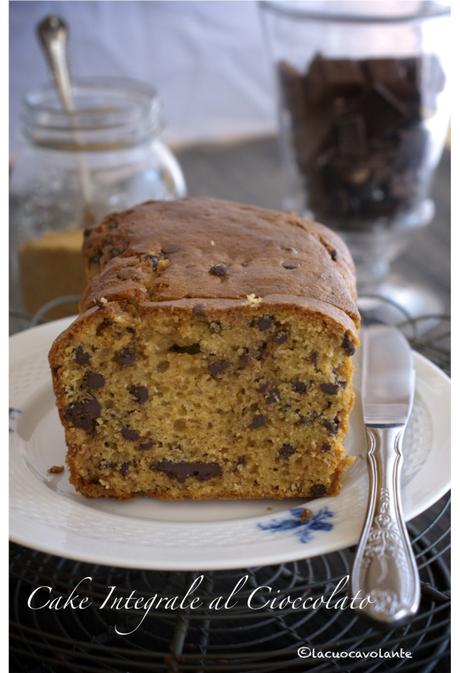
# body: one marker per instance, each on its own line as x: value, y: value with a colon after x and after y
x: 211, y: 357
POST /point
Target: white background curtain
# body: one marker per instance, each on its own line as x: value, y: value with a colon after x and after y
x: 206, y: 59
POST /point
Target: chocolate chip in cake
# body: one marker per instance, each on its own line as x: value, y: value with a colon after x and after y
x: 261, y: 352
x: 258, y: 422
x: 198, y: 311
x: 191, y: 349
x: 215, y: 327
x: 94, y: 380
x: 169, y: 248
x: 332, y: 425
x: 146, y: 444
x: 124, y: 467
x: 82, y: 357
x: 106, y: 465
x: 325, y: 447
x: 116, y: 251
x: 348, y: 345
x: 140, y: 393
x: 264, y: 322
x: 313, y: 358
x: 244, y: 359
x: 217, y: 367
x: 154, y: 260
x: 273, y: 396
x: 183, y: 470
x: 317, y: 490
x: 102, y: 326
x: 129, y: 434
x: 286, y: 450
x: 289, y: 264
x: 329, y: 388
x: 82, y: 414
x: 220, y: 270
x: 94, y: 259
x: 300, y: 387
x: 126, y: 357
x: 280, y: 337
x: 241, y: 460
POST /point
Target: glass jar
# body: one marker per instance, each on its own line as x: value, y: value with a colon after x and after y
x: 363, y: 117
x: 72, y: 169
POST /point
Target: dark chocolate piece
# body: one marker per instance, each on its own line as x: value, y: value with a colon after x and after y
x: 329, y: 388
x: 140, y: 393
x: 217, y: 367
x: 198, y: 311
x: 191, y: 349
x: 290, y: 264
x: 220, y: 270
x: 94, y: 380
x: 83, y: 414
x: 332, y: 425
x: 317, y: 490
x: 264, y: 323
x: 146, y: 444
x: 259, y: 421
x: 280, y: 337
x: 183, y: 470
x: 126, y: 357
x: 82, y: 357
x: 169, y: 249
x: 129, y: 434
x: 286, y: 450
x: 300, y: 387
x: 348, y: 345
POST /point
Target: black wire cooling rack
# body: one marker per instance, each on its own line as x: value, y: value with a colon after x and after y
x: 239, y: 640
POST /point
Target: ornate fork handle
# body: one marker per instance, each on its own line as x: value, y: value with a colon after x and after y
x: 385, y: 567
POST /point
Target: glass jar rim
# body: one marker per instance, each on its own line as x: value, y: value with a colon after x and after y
x: 294, y: 10
x: 108, y: 110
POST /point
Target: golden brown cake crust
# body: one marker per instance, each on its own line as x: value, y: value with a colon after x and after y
x: 163, y: 251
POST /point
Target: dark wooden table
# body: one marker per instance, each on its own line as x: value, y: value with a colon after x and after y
x: 251, y: 172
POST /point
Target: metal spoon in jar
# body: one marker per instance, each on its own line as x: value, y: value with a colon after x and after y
x: 53, y: 33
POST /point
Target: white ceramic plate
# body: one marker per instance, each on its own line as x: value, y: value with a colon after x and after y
x: 47, y: 514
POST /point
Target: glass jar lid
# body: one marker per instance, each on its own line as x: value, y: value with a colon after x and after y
x: 358, y: 11
x: 111, y: 113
